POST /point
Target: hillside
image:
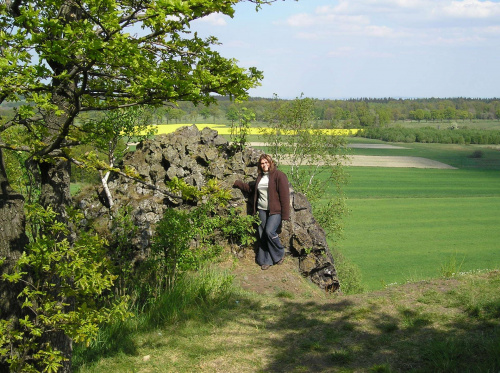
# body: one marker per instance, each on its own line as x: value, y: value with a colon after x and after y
x: 280, y: 323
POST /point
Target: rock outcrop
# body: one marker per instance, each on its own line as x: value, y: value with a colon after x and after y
x: 196, y: 156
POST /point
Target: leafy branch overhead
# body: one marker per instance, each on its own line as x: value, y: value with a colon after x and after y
x: 62, y: 58
x: 61, y: 61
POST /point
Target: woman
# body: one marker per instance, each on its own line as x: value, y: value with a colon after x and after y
x: 271, y: 201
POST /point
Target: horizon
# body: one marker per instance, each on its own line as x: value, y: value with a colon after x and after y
x: 340, y: 49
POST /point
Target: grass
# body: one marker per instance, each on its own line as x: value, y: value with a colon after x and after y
x: 377, y: 182
x: 405, y: 224
x: 460, y: 156
x: 437, y: 326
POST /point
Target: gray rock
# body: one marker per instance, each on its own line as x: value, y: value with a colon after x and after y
x: 197, y: 156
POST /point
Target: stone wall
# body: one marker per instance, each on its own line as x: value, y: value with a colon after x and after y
x: 195, y: 156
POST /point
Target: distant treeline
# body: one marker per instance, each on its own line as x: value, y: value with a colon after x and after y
x: 349, y: 113
x: 366, y: 112
x: 432, y: 135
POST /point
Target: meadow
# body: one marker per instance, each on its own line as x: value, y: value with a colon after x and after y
x: 412, y: 224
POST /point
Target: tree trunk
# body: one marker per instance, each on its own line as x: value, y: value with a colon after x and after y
x: 12, y: 242
x: 55, y: 192
x: 104, y: 181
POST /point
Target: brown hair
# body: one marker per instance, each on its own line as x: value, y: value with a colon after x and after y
x: 268, y: 158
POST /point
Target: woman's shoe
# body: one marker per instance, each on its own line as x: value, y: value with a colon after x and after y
x: 281, y: 261
x: 264, y: 266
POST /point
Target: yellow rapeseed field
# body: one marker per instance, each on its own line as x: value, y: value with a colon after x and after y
x: 224, y: 130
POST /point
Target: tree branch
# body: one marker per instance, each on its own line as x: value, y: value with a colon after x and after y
x: 121, y: 173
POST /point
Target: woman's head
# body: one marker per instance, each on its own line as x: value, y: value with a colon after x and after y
x: 266, y: 163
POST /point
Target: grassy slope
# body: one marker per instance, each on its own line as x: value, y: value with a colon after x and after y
x: 447, y: 325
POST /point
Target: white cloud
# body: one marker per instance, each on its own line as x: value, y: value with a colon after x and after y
x: 343, y: 52
x: 214, y: 19
x: 301, y: 20
x: 400, y: 19
x: 379, y: 31
x: 351, y: 52
x: 471, y: 9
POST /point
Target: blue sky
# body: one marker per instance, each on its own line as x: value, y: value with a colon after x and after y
x: 366, y: 48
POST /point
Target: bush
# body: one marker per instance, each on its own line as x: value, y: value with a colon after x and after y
x: 184, y: 240
x: 66, y: 295
x: 432, y: 135
x: 349, y: 273
x: 477, y: 154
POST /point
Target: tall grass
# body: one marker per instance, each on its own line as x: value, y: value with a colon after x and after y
x: 195, y: 296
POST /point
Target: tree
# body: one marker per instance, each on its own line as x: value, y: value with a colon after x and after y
x: 174, y: 114
x: 241, y: 129
x: 61, y: 58
x: 232, y: 114
x: 108, y: 133
x: 315, y: 158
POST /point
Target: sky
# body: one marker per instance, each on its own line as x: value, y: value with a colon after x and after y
x: 339, y: 49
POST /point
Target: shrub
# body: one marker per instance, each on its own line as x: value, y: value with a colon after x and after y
x: 349, y: 273
x: 477, y: 154
x: 66, y: 294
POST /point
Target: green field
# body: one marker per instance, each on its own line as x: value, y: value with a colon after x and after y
x: 460, y: 156
x: 412, y: 224
x: 409, y: 224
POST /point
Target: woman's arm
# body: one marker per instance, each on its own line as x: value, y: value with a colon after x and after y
x: 244, y: 187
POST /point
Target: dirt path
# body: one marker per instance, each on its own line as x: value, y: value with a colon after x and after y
x: 282, y: 279
x: 383, y: 161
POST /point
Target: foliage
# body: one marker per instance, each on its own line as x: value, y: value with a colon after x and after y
x: 20, y: 178
x: 106, y: 132
x: 184, y: 240
x: 170, y: 252
x: 451, y: 268
x: 240, y: 128
x: 315, y: 158
x: 123, y: 231
x: 432, y: 135
x: 107, y: 137
x: 66, y: 289
x: 239, y: 228
x: 350, y: 274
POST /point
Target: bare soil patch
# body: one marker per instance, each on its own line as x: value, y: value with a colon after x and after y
x: 284, y: 280
x: 382, y: 161
x: 395, y: 161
